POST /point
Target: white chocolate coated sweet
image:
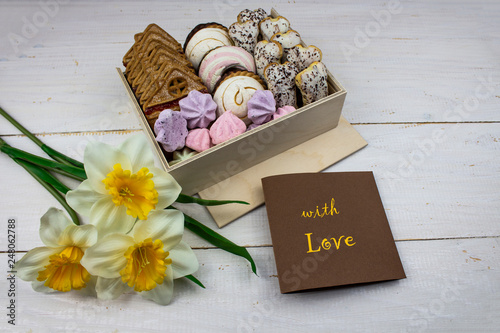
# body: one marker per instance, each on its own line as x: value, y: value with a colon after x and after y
x: 270, y: 26
x: 302, y: 56
x: 287, y: 40
x: 252, y: 15
x: 265, y: 53
x: 245, y: 34
x: 233, y: 95
x: 312, y: 82
x: 281, y: 81
x: 203, y: 42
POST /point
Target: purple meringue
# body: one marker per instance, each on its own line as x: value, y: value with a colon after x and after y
x: 252, y: 126
x: 171, y: 130
x: 283, y: 111
x: 199, y: 139
x: 261, y: 107
x: 198, y: 109
x: 226, y: 127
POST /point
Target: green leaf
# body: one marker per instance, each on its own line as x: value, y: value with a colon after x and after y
x: 58, y: 196
x: 188, y: 199
x: 20, y: 127
x: 195, y: 280
x: 67, y: 170
x: 218, y: 240
x: 59, y: 157
x: 44, y: 175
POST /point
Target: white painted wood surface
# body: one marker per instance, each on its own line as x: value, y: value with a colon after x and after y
x: 411, y: 89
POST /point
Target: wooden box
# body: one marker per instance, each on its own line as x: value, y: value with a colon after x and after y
x: 231, y: 157
x: 224, y: 161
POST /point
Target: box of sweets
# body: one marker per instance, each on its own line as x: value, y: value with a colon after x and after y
x: 269, y: 91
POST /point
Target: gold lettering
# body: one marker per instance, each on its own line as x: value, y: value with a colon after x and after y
x: 348, y: 240
x: 333, y: 209
x: 308, y: 214
x: 321, y: 212
x: 337, y: 245
x: 309, y: 243
x: 326, y: 245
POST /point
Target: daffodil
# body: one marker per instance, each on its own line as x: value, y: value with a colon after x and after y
x: 56, y: 266
x: 146, y: 260
x: 122, y: 185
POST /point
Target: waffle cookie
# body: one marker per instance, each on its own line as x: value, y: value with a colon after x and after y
x: 159, y: 72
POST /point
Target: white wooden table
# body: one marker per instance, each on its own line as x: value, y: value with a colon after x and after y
x: 423, y: 88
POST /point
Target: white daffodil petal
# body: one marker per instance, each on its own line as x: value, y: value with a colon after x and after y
x: 39, y: 286
x: 184, y: 261
x: 109, y: 218
x: 138, y: 151
x: 167, y: 187
x: 89, y: 289
x: 52, y: 225
x: 106, y: 258
x: 99, y: 159
x: 110, y: 288
x: 83, y: 198
x: 82, y: 236
x: 162, y: 293
x: 165, y: 225
x: 33, y: 262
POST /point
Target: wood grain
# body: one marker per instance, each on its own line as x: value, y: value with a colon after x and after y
x: 448, y: 191
x: 434, y: 156
x: 424, y: 63
x: 451, y: 285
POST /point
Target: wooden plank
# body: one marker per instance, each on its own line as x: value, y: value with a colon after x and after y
x: 451, y: 285
x: 419, y: 68
x: 450, y: 191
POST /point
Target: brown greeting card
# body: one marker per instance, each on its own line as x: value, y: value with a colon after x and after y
x: 329, y: 229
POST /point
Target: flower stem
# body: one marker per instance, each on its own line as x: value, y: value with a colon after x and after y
x: 20, y: 127
x: 217, y: 239
x: 44, y: 175
x: 183, y: 198
x: 67, y: 170
x: 58, y: 196
x: 59, y: 157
